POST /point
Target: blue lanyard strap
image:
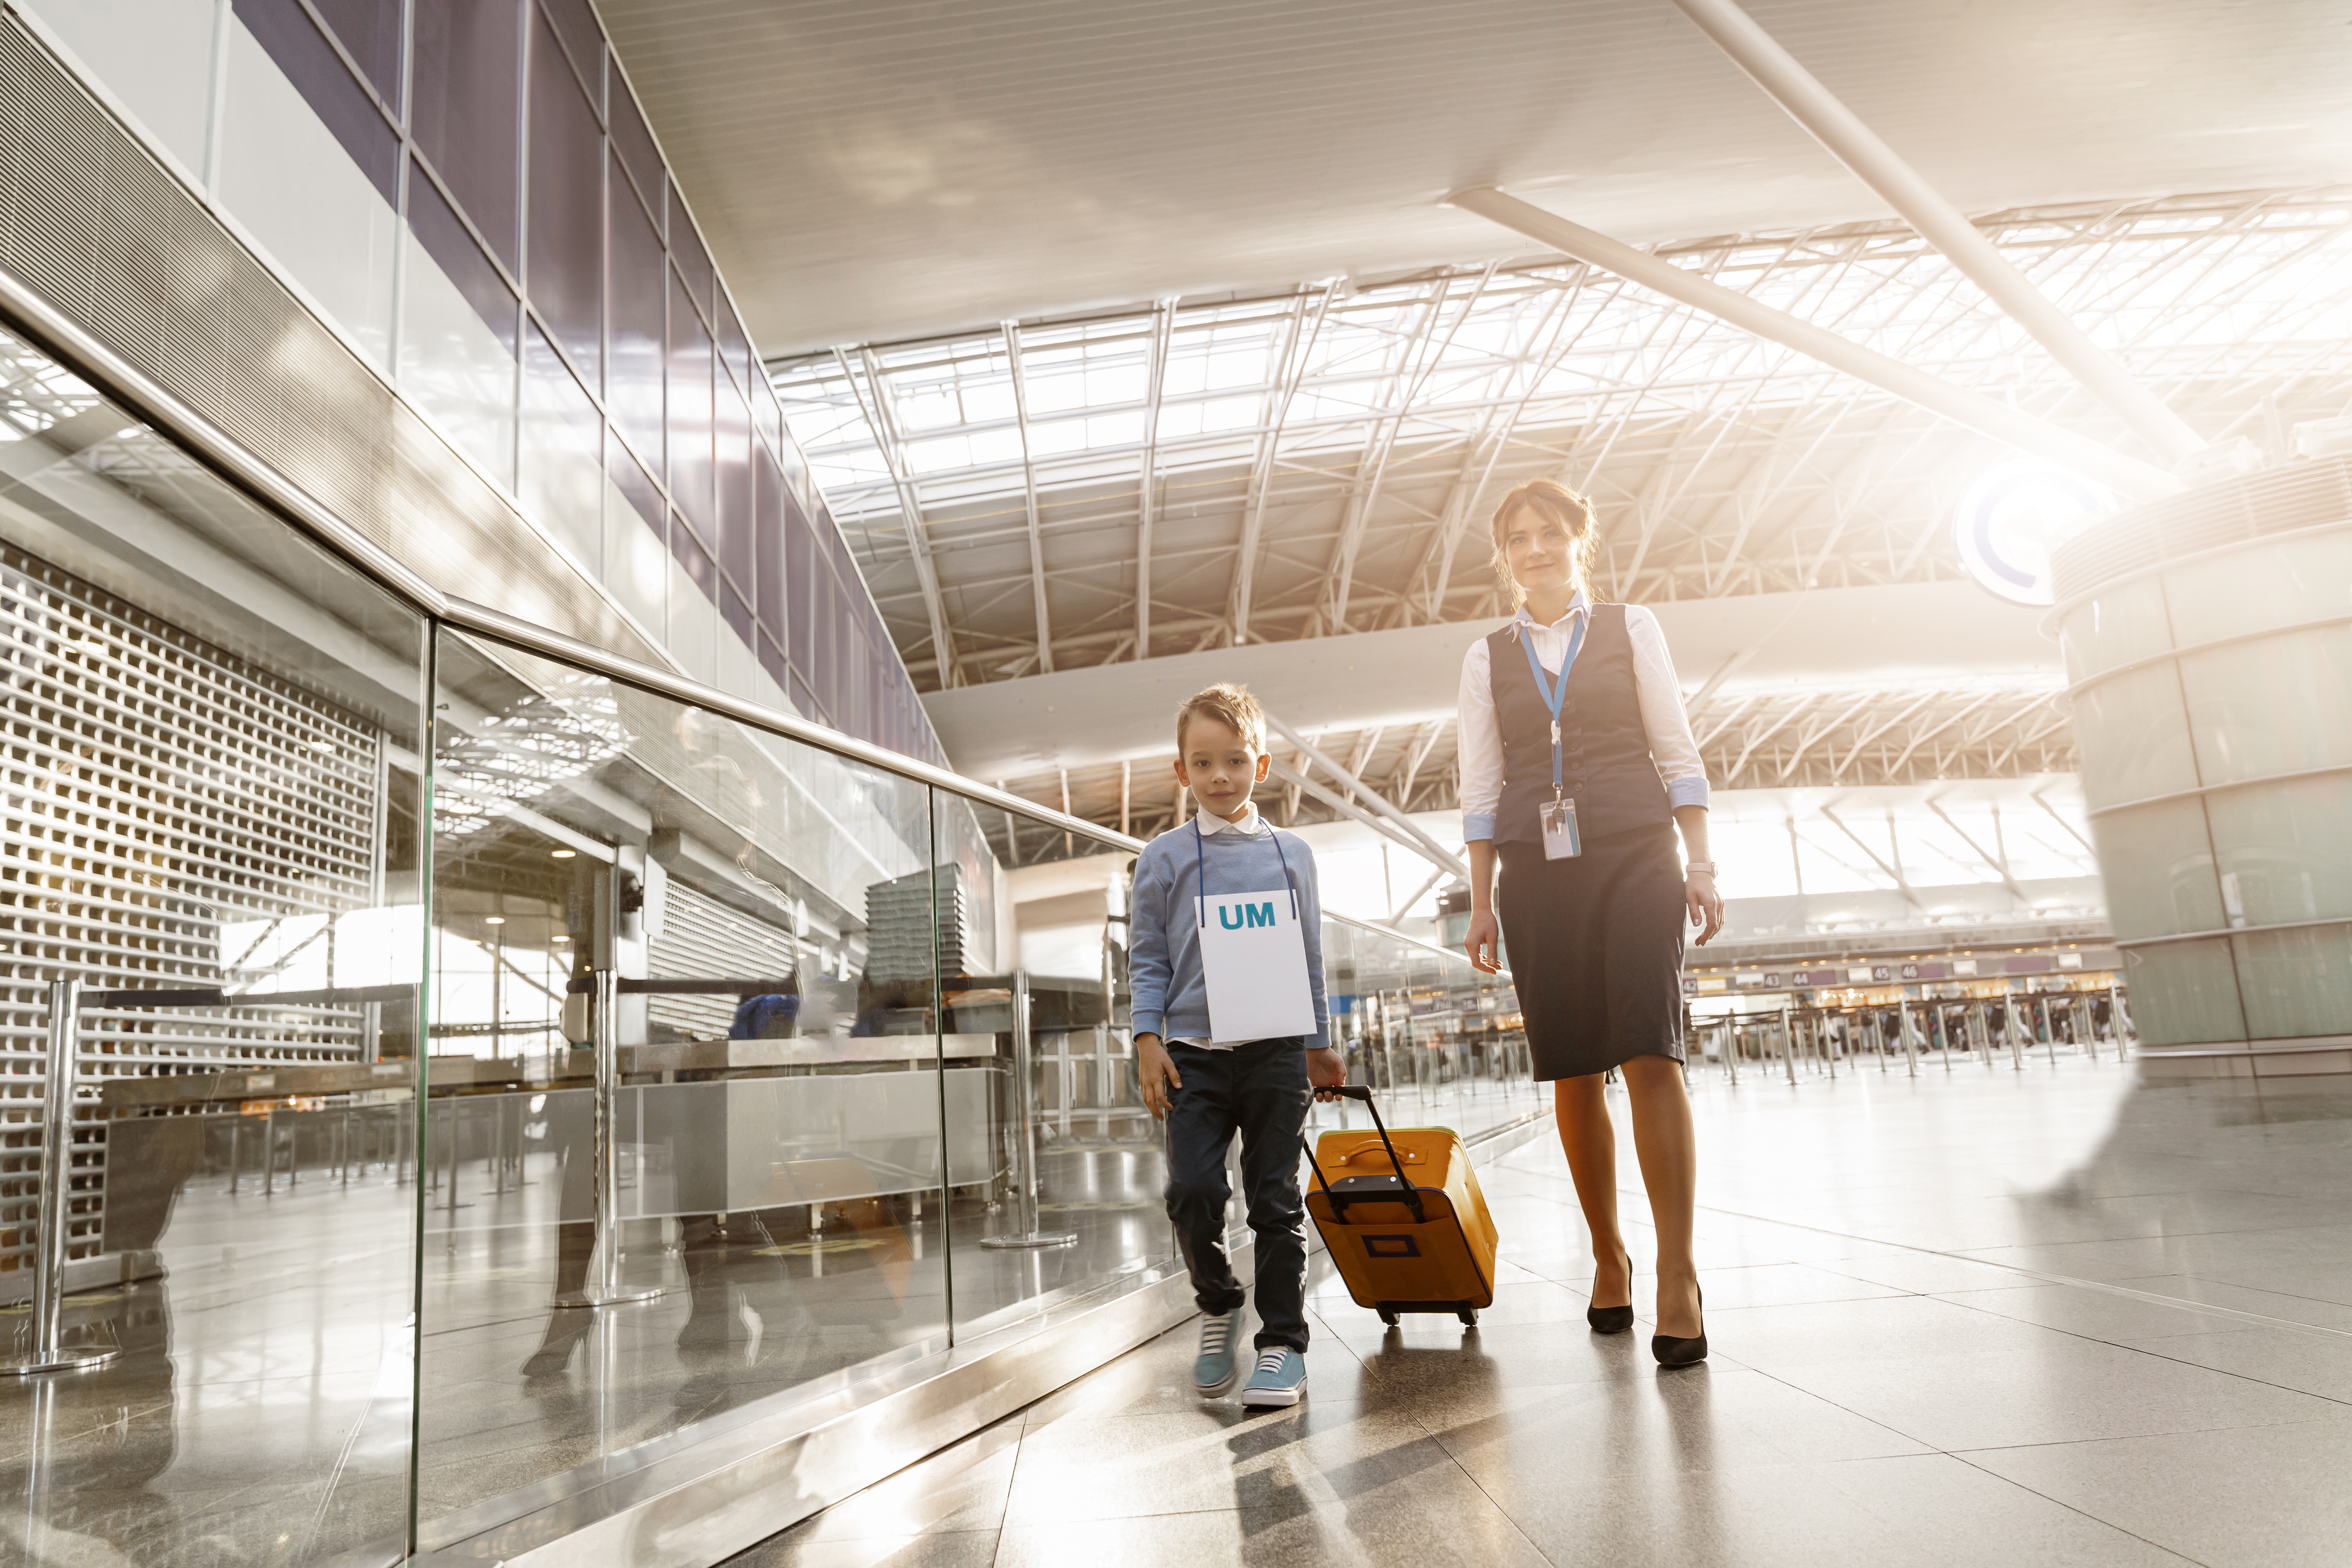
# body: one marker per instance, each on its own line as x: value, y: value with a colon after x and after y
x: 1200, y: 870
x: 1553, y: 696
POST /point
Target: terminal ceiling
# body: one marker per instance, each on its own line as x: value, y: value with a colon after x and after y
x: 1150, y: 321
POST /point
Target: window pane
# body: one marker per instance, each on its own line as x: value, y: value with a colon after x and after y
x: 693, y: 604
x: 150, y: 54
x: 799, y: 586
x: 457, y: 333
x: 317, y: 190
x: 562, y: 458
x: 636, y: 542
x: 686, y: 250
x: 468, y: 62
x: 566, y: 280
x: 582, y: 40
x: 737, y: 615
x: 734, y: 347
x: 737, y: 529
x: 287, y: 36
x: 370, y: 31
x: 632, y: 140
x: 768, y: 543
x: 689, y: 425
x: 633, y: 381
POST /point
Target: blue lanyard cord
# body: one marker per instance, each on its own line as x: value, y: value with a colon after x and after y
x: 1200, y: 870
x: 1554, y: 696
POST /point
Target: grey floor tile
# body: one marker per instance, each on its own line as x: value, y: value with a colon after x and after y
x: 1691, y: 1420
x: 1914, y: 1510
x: 2093, y: 1313
x: 2289, y: 1358
x: 961, y: 1489
x: 2063, y: 1390
x: 2270, y: 1497
x: 959, y: 1548
x: 1211, y: 1459
x: 2265, y: 1303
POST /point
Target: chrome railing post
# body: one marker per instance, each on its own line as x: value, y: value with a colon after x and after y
x: 1024, y: 1142
x: 48, y: 1351
x: 602, y: 1287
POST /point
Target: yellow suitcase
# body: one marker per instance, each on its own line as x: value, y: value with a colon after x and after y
x: 1402, y: 1218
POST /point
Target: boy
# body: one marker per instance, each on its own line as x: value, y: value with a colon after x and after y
x: 1207, y: 1088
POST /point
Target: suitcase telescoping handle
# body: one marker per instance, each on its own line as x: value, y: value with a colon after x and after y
x: 1340, y: 1202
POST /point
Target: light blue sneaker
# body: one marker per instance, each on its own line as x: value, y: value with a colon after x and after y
x: 1280, y: 1378
x: 1214, y: 1369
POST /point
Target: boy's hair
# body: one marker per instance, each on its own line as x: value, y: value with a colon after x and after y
x: 1231, y: 706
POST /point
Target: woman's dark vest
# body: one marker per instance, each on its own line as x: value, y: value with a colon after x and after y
x: 1604, y: 748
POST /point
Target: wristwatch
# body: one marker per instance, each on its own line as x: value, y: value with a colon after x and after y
x: 1705, y: 866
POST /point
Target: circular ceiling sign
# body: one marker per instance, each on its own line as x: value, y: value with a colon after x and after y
x: 2010, y: 521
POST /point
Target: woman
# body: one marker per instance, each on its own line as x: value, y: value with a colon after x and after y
x: 1577, y: 766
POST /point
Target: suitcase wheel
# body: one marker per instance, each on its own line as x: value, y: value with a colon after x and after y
x: 1387, y: 1316
x: 1469, y: 1316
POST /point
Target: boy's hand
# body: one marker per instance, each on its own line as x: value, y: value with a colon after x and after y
x: 1158, y: 1074
x: 1327, y: 1070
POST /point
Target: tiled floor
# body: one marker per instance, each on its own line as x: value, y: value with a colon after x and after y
x: 1994, y: 1318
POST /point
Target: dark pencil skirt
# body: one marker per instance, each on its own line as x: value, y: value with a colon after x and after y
x: 1595, y: 947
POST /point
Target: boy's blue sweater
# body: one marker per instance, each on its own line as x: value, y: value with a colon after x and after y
x: 1171, y: 996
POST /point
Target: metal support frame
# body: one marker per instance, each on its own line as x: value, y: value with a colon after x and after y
x: 1029, y: 495
x: 2130, y: 475
x: 1347, y: 808
x: 1028, y: 1238
x: 1429, y: 847
x: 48, y: 1351
x: 1942, y: 225
x: 604, y: 1286
x: 882, y: 420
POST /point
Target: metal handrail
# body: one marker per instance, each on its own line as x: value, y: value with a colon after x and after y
x: 123, y: 382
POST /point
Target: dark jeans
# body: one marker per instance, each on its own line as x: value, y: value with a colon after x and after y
x: 1260, y: 1090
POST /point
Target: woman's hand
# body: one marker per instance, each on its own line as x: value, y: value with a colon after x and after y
x: 1705, y: 904
x: 1484, y: 943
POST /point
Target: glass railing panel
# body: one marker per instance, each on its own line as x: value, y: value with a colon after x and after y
x: 685, y: 1157
x: 1438, y: 1043
x: 1063, y: 1194
x: 209, y: 899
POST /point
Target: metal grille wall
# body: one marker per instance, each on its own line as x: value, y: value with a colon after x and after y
x: 702, y: 938
x: 171, y: 816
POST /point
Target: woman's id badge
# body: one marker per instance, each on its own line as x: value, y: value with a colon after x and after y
x: 1560, y: 835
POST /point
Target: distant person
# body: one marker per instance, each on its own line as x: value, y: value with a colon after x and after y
x: 1577, y: 766
x: 1235, y: 985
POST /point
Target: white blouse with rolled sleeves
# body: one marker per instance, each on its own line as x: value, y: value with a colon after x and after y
x: 1672, y: 746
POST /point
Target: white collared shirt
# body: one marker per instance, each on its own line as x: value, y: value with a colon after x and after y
x: 1480, y: 742
x: 1246, y: 826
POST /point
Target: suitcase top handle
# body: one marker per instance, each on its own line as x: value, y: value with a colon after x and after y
x: 1338, y: 1203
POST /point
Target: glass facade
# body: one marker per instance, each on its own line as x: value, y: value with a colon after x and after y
x: 468, y: 194
x: 752, y: 1075
x: 2209, y: 707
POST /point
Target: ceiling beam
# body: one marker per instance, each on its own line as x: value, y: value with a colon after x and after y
x: 1942, y: 225
x: 1155, y: 378
x: 2128, y: 475
x: 1292, y: 370
x: 882, y: 419
x: 1422, y: 842
x: 1029, y: 492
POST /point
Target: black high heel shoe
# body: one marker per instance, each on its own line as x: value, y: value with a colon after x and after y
x: 1671, y: 1350
x: 1614, y: 1319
